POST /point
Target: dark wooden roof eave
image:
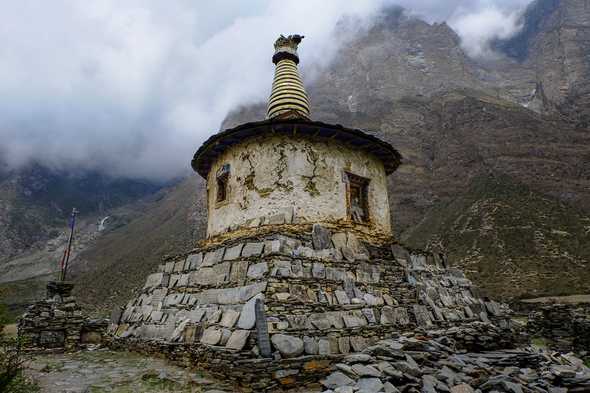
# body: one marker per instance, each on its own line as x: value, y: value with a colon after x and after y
x: 218, y: 143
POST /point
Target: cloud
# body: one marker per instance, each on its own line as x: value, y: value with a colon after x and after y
x: 478, y: 29
x: 133, y: 87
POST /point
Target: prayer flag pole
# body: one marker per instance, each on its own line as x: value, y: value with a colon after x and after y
x: 66, y: 257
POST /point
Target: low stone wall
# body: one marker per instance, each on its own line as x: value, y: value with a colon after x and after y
x: 254, y: 374
x: 565, y: 327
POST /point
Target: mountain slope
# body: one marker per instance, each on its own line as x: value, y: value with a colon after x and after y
x: 512, y: 240
x: 496, y: 159
x: 555, y: 42
x: 454, y: 119
x: 118, y: 262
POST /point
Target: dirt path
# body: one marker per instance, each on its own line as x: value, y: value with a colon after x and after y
x: 116, y: 372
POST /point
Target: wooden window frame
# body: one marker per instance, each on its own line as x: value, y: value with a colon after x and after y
x: 222, y: 188
x: 362, y: 184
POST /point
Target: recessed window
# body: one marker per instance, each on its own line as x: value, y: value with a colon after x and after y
x: 357, y: 198
x: 222, y: 192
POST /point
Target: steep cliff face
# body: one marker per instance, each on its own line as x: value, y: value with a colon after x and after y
x: 555, y: 42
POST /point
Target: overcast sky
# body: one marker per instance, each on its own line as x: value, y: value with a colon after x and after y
x: 133, y: 87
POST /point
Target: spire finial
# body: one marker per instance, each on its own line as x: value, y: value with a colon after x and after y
x: 288, y: 98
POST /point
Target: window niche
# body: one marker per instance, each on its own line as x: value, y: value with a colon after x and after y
x: 357, y: 198
x: 222, y: 184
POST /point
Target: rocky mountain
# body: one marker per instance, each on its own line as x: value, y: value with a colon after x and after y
x: 35, y: 204
x: 496, y: 166
x: 459, y: 122
x: 555, y: 43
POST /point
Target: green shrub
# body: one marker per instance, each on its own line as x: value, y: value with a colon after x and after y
x: 12, y: 379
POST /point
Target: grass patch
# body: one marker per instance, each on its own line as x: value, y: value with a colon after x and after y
x: 150, y: 382
x: 540, y: 342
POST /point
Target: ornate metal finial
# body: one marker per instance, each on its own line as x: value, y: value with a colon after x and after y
x: 292, y: 41
x: 286, y: 48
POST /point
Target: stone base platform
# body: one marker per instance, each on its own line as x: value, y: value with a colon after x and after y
x: 286, y: 306
x: 56, y: 323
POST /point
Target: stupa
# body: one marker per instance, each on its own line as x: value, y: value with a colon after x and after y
x: 299, y: 267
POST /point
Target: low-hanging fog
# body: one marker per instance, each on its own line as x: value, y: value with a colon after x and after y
x: 131, y: 88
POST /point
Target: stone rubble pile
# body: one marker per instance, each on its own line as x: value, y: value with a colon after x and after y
x: 429, y: 365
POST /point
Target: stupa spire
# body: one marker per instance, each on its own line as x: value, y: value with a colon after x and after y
x: 288, y: 98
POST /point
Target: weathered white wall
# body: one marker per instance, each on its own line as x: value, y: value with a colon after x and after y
x: 295, y: 176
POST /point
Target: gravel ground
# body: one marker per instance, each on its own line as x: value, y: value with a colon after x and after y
x: 120, y: 372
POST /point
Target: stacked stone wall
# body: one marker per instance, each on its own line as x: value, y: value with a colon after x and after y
x: 53, y: 323
x: 319, y: 295
x: 565, y: 327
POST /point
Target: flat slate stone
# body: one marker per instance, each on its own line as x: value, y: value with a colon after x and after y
x: 238, y: 339
x: 211, y: 336
x: 288, y: 346
x: 348, y: 254
x: 321, y: 237
x: 310, y: 345
x: 157, y: 280
x: 339, y: 240
x: 248, y: 291
x: 213, y: 257
x: 229, y: 318
x: 233, y: 253
x: 196, y: 315
x: 336, y: 380
x: 238, y: 271
x: 353, y: 321
x: 318, y: 270
x: 225, y: 335
x: 335, y: 319
x: 358, y: 343
x: 422, y: 315
x: 194, y: 261
x: 462, y: 388
x: 169, y: 267
x: 366, y: 371
x: 369, y: 313
x: 320, y: 321
x: 344, y: 345
x: 304, y: 252
x: 252, y: 249
x: 217, y: 274
x: 214, y: 317
x: 258, y: 270
x: 342, y: 297
x: 178, y: 266
x: 273, y: 246
x: 229, y: 295
x: 183, y: 280
x: 247, y: 318
x: 324, y: 347
x: 369, y: 385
